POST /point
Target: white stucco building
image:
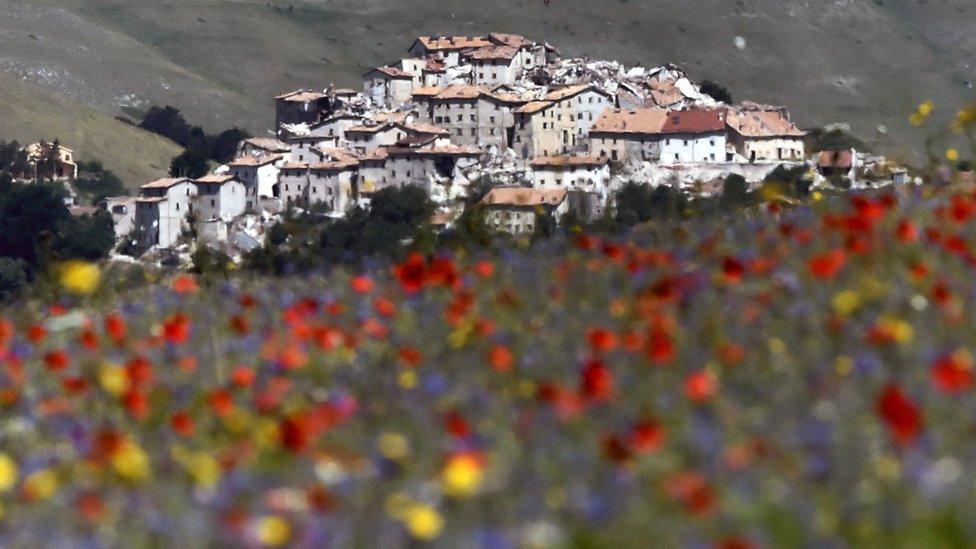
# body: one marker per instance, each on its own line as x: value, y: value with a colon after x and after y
x: 220, y: 197
x: 162, y: 210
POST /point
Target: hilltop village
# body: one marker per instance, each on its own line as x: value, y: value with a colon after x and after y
x: 548, y: 134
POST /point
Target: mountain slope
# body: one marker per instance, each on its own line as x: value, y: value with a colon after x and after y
x: 864, y: 61
x: 30, y: 114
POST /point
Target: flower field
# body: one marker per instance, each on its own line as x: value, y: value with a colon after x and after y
x: 795, y: 376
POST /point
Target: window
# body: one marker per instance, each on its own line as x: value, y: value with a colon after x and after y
x: 492, y: 119
x: 472, y: 118
x: 213, y: 202
x: 460, y: 118
x: 474, y: 131
x: 459, y: 131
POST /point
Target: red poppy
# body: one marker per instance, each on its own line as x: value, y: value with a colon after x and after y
x: 221, y: 402
x: 176, y: 329
x: 456, y: 425
x: 660, y: 347
x: 829, y: 264
x: 596, y: 381
x: 116, y: 328
x: 57, y: 360
x: 693, y: 492
x: 75, y: 385
x: 182, y: 424
x: 136, y: 403
x: 484, y: 269
x: 242, y: 376
x: 294, y: 434
x: 601, y: 339
x: 88, y: 339
x: 952, y: 374
x: 900, y: 414
x: 733, y: 270
x: 139, y: 371
x: 907, y: 232
x: 90, y: 507
x: 501, y: 358
x: 411, y: 273
x: 35, y: 333
x: 240, y: 324
x: 362, y: 284
x: 647, y: 437
x: 701, y: 386
x: 384, y: 307
x: 185, y: 284
x: 411, y: 356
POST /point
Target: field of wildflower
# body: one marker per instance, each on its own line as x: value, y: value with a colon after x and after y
x: 797, y: 375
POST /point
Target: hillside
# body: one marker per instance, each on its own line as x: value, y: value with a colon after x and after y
x: 30, y: 114
x: 866, y: 62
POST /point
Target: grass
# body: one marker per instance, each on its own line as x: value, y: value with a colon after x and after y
x: 30, y: 114
x: 861, y: 62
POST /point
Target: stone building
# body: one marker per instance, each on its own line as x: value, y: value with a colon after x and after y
x: 516, y: 210
x: 220, y: 197
x: 162, y: 210
x: 301, y: 107
x: 764, y: 134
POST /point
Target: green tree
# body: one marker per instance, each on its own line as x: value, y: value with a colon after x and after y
x: 735, y: 191
x: 190, y: 163
x: 716, y: 91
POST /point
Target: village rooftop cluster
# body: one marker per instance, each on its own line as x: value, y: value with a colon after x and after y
x: 550, y: 134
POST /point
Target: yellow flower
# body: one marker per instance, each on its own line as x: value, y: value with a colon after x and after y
x: 204, y: 469
x: 8, y: 473
x: 407, y: 379
x: 462, y: 476
x: 952, y: 155
x: 131, y: 462
x: 817, y: 196
x: 112, y: 377
x: 423, y: 521
x: 41, y: 484
x: 80, y: 277
x: 926, y: 108
x: 273, y: 531
x: 265, y: 433
x: 846, y: 302
x: 394, y: 446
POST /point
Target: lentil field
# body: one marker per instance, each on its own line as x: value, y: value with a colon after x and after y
x: 791, y: 376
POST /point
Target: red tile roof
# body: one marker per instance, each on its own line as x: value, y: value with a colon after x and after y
x: 523, y: 197
x: 695, y: 121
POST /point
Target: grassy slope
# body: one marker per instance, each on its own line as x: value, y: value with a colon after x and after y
x: 861, y: 61
x: 30, y: 114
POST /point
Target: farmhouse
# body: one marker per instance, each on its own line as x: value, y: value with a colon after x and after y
x: 162, y: 210
x: 516, y: 210
x: 764, y: 134
x: 64, y: 169
x: 657, y: 135
x: 331, y: 181
x: 292, y: 186
x: 574, y: 173
x: 220, y: 197
x: 389, y: 87
x: 301, y: 107
x: 261, y: 146
x: 259, y: 174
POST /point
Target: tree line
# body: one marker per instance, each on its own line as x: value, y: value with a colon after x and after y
x: 200, y: 147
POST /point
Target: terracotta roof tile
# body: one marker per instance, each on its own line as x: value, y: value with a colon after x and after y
x: 762, y: 123
x: 164, y: 183
x: 559, y: 161
x: 524, y: 197
x: 533, y: 107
